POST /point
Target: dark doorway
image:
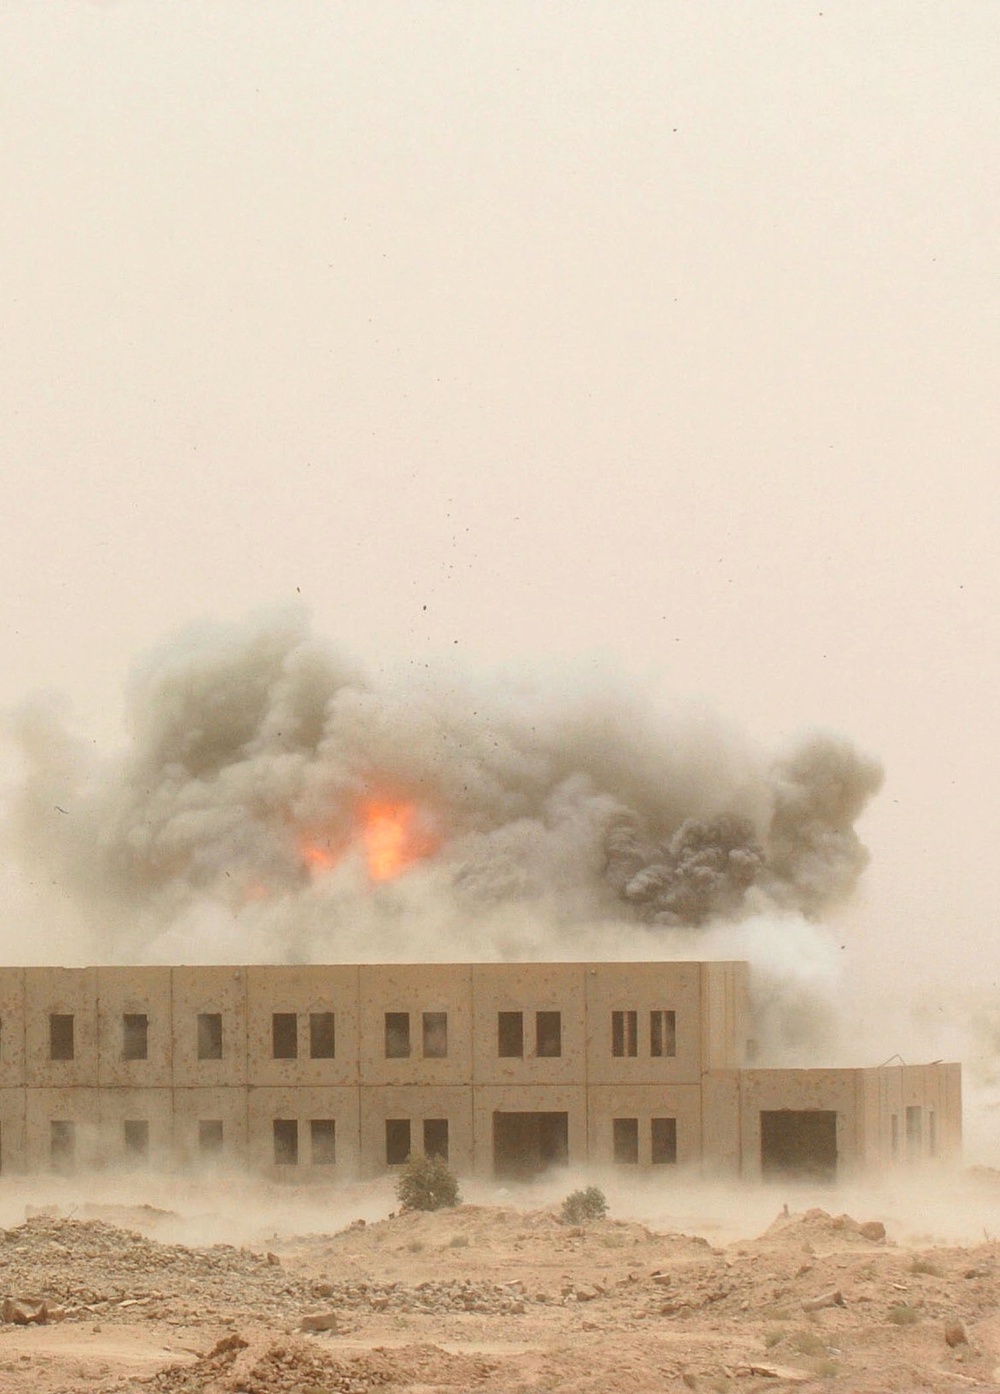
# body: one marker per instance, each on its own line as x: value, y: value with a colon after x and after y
x: 799, y: 1142
x: 525, y: 1144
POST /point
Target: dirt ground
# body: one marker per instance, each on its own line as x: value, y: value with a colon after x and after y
x: 119, y: 1298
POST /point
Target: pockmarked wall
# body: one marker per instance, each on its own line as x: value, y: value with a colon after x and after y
x: 501, y: 1069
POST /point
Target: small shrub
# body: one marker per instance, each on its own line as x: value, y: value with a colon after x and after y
x: 903, y: 1315
x: 924, y: 1265
x: 426, y: 1184
x: 458, y: 1241
x: 581, y: 1206
x: 773, y: 1338
x: 415, y: 1246
x: 808, y: 1343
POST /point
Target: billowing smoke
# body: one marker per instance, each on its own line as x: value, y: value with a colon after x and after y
x: 264, y: 777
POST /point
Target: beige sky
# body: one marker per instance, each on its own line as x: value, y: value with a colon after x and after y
x: 661, y: 337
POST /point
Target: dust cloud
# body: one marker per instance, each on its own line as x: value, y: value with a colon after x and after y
x: 273, y: 803
x: 228, y: 1205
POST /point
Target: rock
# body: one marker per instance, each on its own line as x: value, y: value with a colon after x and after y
x: 873, y: 1230
x: 319, y: 1321
x: 783, y: 1372
x: 828, y: 1299
x: 24, y: 1311
x: 954, y: 1334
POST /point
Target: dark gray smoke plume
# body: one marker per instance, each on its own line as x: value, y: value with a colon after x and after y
x: 256, y: 759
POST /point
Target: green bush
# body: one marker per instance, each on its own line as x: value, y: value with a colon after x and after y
x: 427, y: 1184
x: 581, y: 1206
x: 903, y: 1315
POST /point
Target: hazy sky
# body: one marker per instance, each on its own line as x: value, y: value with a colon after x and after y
x: 660, y: 337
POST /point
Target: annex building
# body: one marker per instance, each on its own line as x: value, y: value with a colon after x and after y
x: 501, y: 1068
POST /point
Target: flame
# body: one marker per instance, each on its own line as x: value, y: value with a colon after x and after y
x: 392, y: 838
x: 391, y: 835
x: 318, y: 858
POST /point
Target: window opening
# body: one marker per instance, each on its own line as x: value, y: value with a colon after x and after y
x: 435, y: 1026
x: 397, y: 1035
x: 210, y: 1036
x: 548, y: 1034
x: 914, y: 1130
x: 136, y: 1133
x: 624, y: 1033
x: 436, y: 1138
x: 323, y: 1141
x: 397, y: 1141
x: 663, y: 1140
x: 662, y: 1033
x: 286, y: 1142
x: 135, y: 1036
x: 510, y: 1034
x: 61, y: 1042
x: 209, y: 1135
x: 284, y: 1036
x: 322, y: 1036
x: 62, y: 1144
x: 625, y: 1138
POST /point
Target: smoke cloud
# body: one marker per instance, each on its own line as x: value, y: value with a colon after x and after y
x: 232, y: 824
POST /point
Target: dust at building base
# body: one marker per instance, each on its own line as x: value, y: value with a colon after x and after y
x: 503, y: 1069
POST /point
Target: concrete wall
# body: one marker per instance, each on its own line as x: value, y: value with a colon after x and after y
x: 644, y: 988
x: 13, y: 1142
x: 303, y: 991
x: 121, y: 991
x: 416, y: 1103
x: 210, y: 1111
x: 725, y: 1014
x: 644, y: 1102
x: 192, y: 1107
x: 412, y: 990
x: 303, y: 1106
x: 489, y: 1099
x: 529, y: 988
x: 930, y: 1096
x: 829, y: 1090
x: 66, y: 992
x: 721, y: 1123
x: 11, y: 1027
x: 209, y: 991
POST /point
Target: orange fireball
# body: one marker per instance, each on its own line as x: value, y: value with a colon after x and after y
x: 391, y: 834
x: 392, y: 837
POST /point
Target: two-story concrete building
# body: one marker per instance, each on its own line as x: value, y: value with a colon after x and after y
x: 502, y: 1068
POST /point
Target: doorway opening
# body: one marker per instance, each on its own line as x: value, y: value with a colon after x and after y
x: 525, y: 1144
x: 799, y: 1142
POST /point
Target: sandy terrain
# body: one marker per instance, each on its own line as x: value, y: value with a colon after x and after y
x: 492, y: 1297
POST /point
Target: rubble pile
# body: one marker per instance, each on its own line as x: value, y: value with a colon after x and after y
x: 57, y: 1269
x: 289, y: 1367
x: 493, y: 1299
x: 87, y: 1268
x: 455, y: 1295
